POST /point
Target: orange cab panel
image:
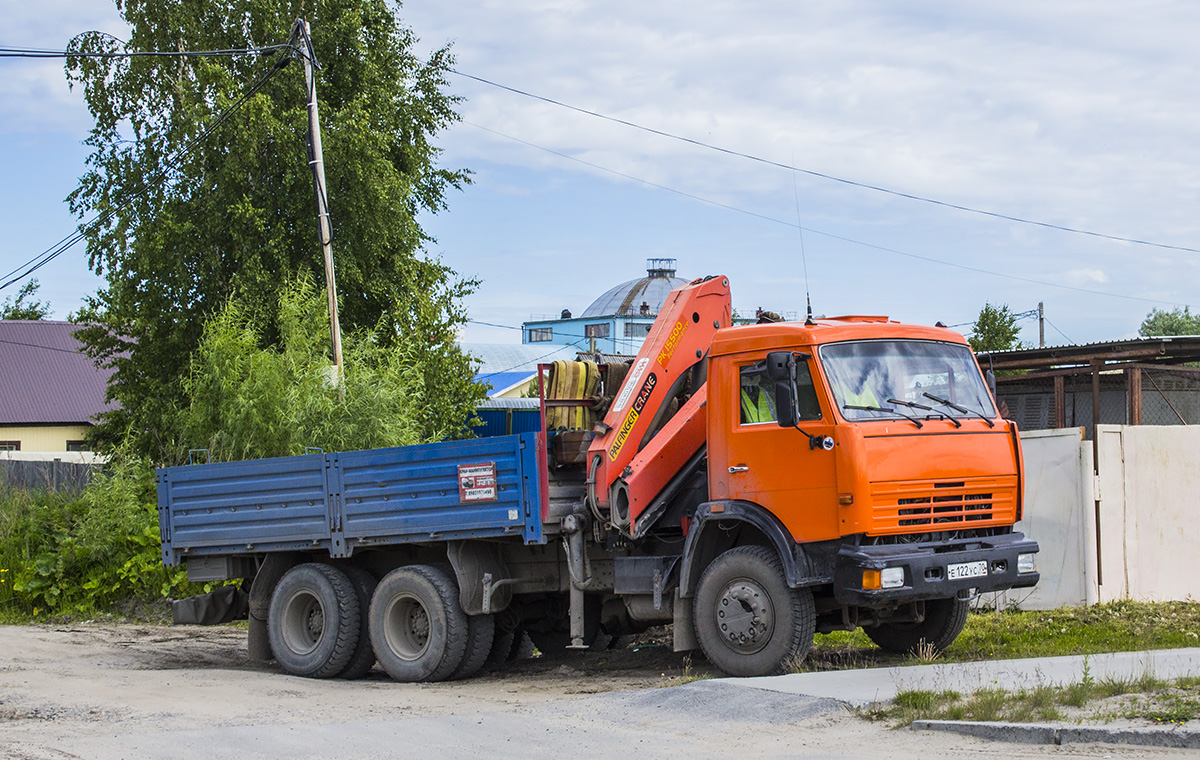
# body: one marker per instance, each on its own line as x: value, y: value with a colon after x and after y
x: 935, y: 482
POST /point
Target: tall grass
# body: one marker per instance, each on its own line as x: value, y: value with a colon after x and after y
x: 64, y: 554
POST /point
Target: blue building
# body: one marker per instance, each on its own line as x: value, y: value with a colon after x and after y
x: 616, y: 322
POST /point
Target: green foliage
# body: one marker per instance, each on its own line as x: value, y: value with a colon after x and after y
x: 183, y: 232
x: 995, y: 329
x: 63, y: 554
x: 21, y: 308
x: 249, y: 402
x: 1174, y: 322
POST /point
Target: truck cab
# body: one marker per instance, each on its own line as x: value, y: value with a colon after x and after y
x: 863, y: 460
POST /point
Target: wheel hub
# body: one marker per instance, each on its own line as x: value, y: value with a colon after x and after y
x: 745, y: 616
x: 408, y: 628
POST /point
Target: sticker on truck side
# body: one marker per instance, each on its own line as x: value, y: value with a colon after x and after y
x: 672, y: 343
x: 631, y: 419
x: 631, y: 382
x: 477, y: 482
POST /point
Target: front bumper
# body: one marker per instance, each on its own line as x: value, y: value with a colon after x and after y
x: 925, y: 569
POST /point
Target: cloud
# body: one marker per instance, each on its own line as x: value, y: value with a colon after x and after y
x: 34, y: 96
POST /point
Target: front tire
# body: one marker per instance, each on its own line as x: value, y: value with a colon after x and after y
x: 748, y: 620
x: 313, y: 622
x: 944, y: 620
x: 418, y: 628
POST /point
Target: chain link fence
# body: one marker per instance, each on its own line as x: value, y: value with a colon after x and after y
x: 1131, y: 396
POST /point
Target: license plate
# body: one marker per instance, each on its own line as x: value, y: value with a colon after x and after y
x: 967, y: 570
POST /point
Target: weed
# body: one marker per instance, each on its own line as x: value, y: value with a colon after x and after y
x: 687, y: 675
x: 1173, y: 708
x: 926, y: 652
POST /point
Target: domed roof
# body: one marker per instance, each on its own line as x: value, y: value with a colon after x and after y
x: 628, y: 298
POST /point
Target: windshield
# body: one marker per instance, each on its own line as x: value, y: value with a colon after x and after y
x: 887, y: 379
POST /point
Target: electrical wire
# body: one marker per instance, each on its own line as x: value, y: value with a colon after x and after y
x: 36, y: 345
x: 815, y: 231
x: 69, y: 241
x: 534, y: 361
x: 830, y: 177
x: 21, y: 52
x: 1060, y: 332
x: 490, y: 324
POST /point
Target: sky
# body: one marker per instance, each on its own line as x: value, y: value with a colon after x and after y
x: 1079, y: 113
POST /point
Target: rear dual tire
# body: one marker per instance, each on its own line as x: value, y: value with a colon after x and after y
x: 417, y: 626
x: 314, y: 621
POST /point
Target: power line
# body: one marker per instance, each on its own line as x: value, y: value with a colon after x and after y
x: 830, y: 177
x: 490, y: 324
x: 13, y: 52
x: 538, y: 359
x: 816, y: 231
x: 36, y: 345
x: 1060, y: 332
x: 69, y: 241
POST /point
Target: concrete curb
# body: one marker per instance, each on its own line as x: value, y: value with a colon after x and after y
x: 1040, y: 733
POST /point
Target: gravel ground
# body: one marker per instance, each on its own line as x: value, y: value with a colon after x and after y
x: 103, y: 691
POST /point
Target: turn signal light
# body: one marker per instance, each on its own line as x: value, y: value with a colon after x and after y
x: 872, y: 580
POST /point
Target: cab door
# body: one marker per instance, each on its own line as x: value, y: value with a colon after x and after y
x: 769, y: 465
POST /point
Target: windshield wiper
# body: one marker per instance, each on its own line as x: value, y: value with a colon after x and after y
x: 911, y: 419
x: 914, y: 405
x: 962, y: 409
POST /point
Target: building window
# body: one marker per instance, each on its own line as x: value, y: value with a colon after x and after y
x: 77, y: 446
x: 541, y: 334
x: 634, y: 330
x: 10, y: 445
x: 596, y: 331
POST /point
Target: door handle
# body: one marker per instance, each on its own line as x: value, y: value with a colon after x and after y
x: 738, y: 468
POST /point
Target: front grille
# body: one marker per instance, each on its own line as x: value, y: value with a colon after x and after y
x: 941, y: 510
x: 912, y: 506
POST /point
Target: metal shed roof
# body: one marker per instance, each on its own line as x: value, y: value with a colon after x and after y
x: 45, y: 378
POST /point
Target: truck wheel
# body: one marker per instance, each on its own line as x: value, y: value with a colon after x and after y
x: 363, y: 658
x: 502, y: 647
x: 313, y: 623
x: 480, y: 631
x: 418, y: 628
x: 944, y: 620
x: 748, y: 620
x: 522, y: 648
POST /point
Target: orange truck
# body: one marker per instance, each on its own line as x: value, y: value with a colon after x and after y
x: 751, y: 485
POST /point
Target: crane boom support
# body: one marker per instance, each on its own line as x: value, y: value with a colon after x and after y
x: 678, y: 341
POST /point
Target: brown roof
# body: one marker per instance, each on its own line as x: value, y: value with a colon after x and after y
x: 45, y: 378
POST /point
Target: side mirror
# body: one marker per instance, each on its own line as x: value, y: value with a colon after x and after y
x: 990, y: 377
x: 781, y: 365
x: 785, y: 403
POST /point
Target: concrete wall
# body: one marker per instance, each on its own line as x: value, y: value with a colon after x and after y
x: 1058, y: 466
x: 1128, y: 532
x: 1149, y: 547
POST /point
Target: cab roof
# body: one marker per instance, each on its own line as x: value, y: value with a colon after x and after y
x: 780, y: 335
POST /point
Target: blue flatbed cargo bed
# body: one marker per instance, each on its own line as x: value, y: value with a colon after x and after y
x: 344, y: 501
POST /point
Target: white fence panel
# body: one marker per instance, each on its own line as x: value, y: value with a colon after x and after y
x: 1149, y: 510
x: 1058, y: 473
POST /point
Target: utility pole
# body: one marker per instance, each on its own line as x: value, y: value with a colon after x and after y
x: 317, y: 162
x: 1041, y: 326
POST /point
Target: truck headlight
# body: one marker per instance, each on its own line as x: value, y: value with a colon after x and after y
x: 1026, y: 563
x: 891, y: 577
